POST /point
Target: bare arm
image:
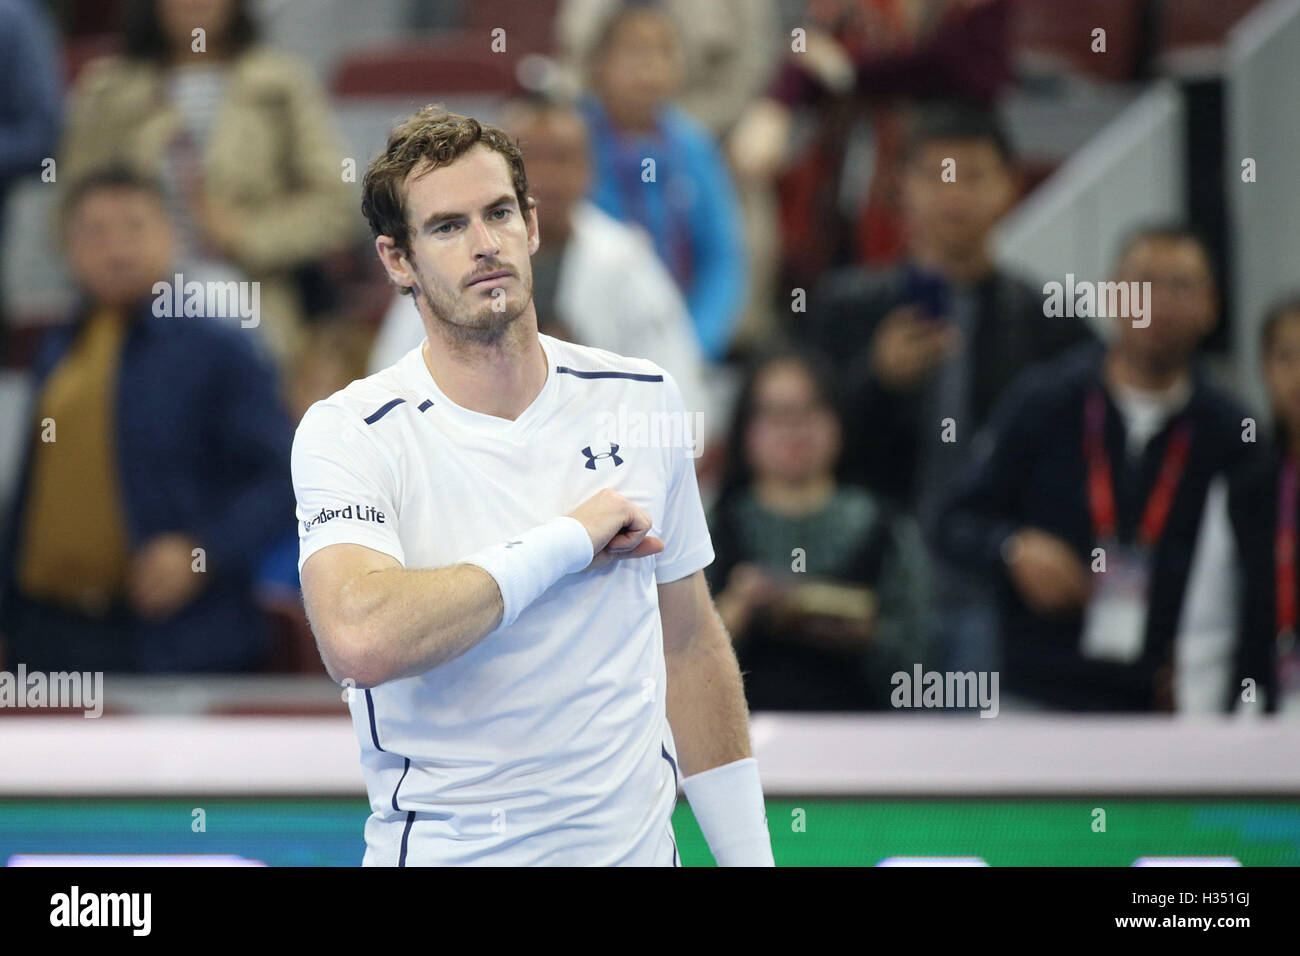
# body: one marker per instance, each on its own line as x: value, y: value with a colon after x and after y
x: 375, y: 620
x: 705, y: 695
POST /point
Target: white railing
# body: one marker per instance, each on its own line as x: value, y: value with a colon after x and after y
x: 1132, y: 172
x: 1262, y: 110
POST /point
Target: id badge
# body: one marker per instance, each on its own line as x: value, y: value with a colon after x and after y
x: 1115, y: 620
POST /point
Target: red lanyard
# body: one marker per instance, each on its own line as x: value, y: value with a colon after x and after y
x: 1284, y: 551
x: 1101, y: 488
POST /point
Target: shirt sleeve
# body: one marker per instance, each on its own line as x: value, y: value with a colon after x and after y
x: 685, y: 533
x: 346, y: 488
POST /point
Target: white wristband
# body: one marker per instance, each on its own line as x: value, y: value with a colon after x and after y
x: 528, y: 564
x: 728, y: 805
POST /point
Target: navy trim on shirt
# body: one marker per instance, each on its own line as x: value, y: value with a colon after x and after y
x: 399, y: 782
x: 410, y: 819
x: 671, y: 762
x: 374, y: 734
x: 663, y: 749
x: 634, y: 376
x: 383, y: 410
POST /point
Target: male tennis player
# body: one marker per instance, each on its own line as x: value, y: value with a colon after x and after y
x: 519, y: 603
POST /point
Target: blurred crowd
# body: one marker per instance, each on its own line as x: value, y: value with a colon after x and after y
x: 910, y: 460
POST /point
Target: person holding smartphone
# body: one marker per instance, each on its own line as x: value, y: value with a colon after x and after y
x: 930, y: 345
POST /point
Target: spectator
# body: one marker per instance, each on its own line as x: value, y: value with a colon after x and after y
x: 911, y: 367
x: 822, y: 588
x: 241, y: 137
x: 1262, y: 507
x: 728, y: 48
x: 30, y: 91
x: 858, y: 60
x: 654, y: 166
x: 938, y: 337
x: 157, y: 450
x: 1088, y: 490
x: 333, y: 357
x: 595, y: 280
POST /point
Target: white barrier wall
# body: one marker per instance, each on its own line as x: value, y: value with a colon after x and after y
x: 1262, y: 105
x: 1132, y: 172
x: 798, y: 754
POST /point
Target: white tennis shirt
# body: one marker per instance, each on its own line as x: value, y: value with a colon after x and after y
x: 548, y: 741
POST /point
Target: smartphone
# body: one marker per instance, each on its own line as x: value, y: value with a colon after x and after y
x: 930, y: 292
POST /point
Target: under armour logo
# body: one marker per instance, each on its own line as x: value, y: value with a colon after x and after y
x: 612, y: 453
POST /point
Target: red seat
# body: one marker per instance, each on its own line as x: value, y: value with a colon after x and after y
x: 91, y: 18
x: 78, y: 51
x: 1060, y: 32
x: 529, y: 24
x: 293, y: 644
x: 40, y: 712
x: 446, y: 64
x: 1032, y: 173
x: 1199, y: 23
x: 278, y: 710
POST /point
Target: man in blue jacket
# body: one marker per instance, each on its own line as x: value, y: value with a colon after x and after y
x: 157, y: 465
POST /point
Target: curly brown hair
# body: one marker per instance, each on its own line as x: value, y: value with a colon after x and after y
x: 432, y: 137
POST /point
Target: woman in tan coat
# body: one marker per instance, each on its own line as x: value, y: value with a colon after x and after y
x: 242, y: 138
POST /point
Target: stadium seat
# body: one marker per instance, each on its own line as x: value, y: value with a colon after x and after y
x: 529, y: 23
x: 78, y: 51
x: 445, y: 64
x: 1199, y: 23
x: 293, y: 645
x: 87, y: 19
x: 1051, y: 36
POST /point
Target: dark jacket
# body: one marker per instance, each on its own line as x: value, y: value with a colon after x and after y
x: 1028, y: 468
x: 883, y: 439
x: 202, y: 447
x: 1252, y: 509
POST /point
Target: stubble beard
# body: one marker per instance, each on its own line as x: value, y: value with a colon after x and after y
x: 479, y: 328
